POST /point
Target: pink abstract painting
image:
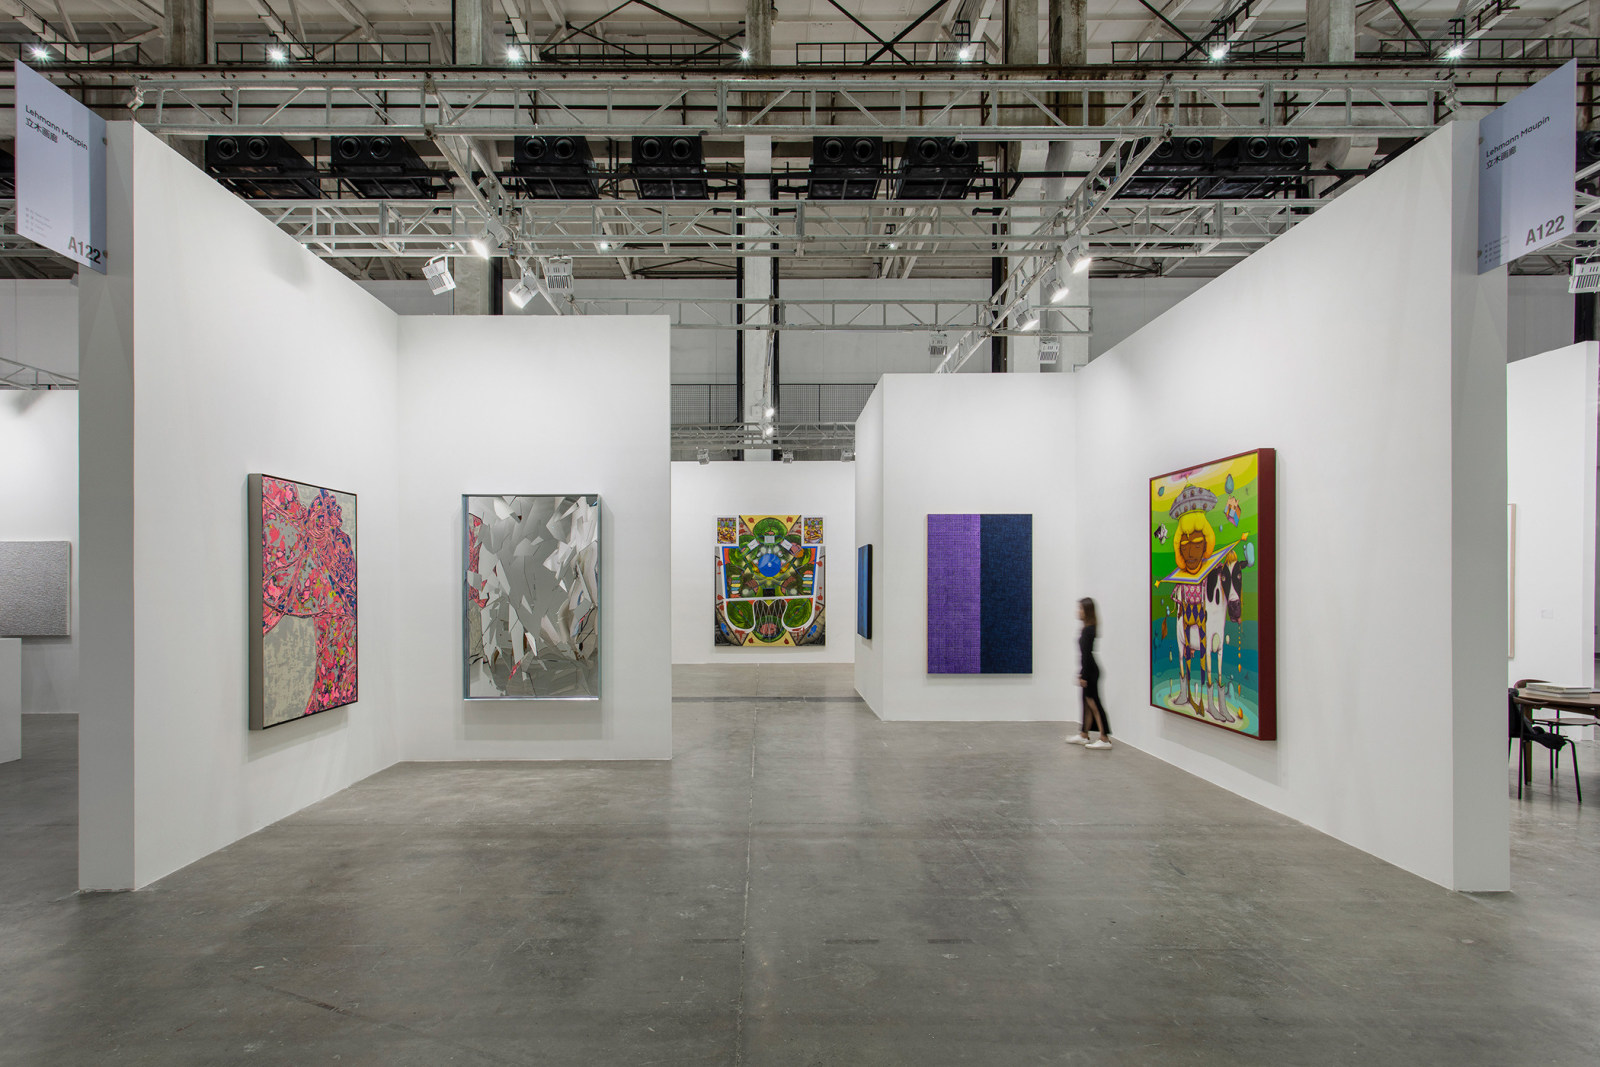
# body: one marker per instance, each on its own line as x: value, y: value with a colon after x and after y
x: 303, y: 569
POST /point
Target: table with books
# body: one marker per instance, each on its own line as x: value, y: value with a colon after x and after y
x: 1572, y: 705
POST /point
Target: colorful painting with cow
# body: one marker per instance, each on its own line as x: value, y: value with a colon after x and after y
x: 768, y: 586
x: 1213, y: 644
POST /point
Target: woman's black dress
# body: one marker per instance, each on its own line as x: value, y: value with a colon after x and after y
x: 1089, y: 671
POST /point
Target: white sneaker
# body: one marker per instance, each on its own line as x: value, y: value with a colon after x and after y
x: 1098, y: 744
x: 1077, y: 739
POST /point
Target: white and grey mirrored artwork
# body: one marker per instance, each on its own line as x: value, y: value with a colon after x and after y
x: 35, y: 588
x: 531, y: 600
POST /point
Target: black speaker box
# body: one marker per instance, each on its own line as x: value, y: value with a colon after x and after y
x: 554, y: 168
x: 669, y: 167
x: 936, y: 168
x: 262, y: 167
x: 845, y: 168
x: 382, y: 168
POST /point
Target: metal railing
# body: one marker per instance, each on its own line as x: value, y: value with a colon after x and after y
x: 714, y: 404
x: 904, y: 53
x: 1281, y: 50
x: 821, y: 402
x: 262, y: 53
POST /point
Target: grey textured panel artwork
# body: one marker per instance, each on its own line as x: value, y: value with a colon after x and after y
x: 531, y: 600
x: 35, y: 588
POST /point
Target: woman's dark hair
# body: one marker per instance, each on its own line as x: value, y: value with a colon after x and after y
x: 1090, y: 618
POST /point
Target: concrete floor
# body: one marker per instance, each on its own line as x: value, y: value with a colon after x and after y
x: 802, y: 884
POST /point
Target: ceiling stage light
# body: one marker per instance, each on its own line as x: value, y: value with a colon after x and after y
x: 437, y: 271
x: 1030, y: 322
x: 39, y: 51
x: 520, y: 294
x: 1456, y: 51
x: 1080, y: 261
x: 277, y: 55
x: 965, y: 53
x: 1219, y: 52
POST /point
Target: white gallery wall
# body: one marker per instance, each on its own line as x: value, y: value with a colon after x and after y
x: 1363, y: 347
x: 1551, y: 421
x: 515, y: 405
x: 966, y: 444
x: 702, y: 492
x: 199, y: 369
x: 1539, y: 315
x: 39, y: 502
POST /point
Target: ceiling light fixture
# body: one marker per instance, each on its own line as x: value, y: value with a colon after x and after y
x: 277, y: 55
x: 604, y: 246
x: 437, y: 271
x: 1219, y: 51
x: 513, y: 54
x: 39, y: 51
x: 1030, y: 321
x: 770, y: 411
x: 1456, y: 51
x: 744, y: 55
x: 1059, y: 290
x: 767, y: 431
x: 702, y: 456
x: 964, y: 54
x: 521, y: 294
x: 1080, y: 261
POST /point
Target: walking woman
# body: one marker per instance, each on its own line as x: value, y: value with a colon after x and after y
x: 1093, y: 715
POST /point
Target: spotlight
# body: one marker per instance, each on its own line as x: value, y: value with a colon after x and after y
x: 604, y: 246
x: 1059, y: 290
x: 892, y: 245
x: 847, y: 455
x: 513, y: 54
x: 1456, y: 51
x: 520, y: 294
x: 744, y: 55
x: 1219, y: 52
x: 1049, y: 352
x: 479, y: 245
x: 702, y: 456
x: 938, y: 346
x: 1080, y: 261
x: 770, y: 411
x: 277, y: 55
x: 1030, y: 321
x: 788, y: 457
x: 964, y: 55
x: 437, y: 271
x: 39, y: 51
x: 558, y: 274
x: 767, y: 431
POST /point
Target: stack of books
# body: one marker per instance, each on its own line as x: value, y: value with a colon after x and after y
x: 1558, y: 692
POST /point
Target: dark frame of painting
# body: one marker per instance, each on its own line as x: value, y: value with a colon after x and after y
x: 864, y: 591
x: 1266, y: 567
x: 255, y: 569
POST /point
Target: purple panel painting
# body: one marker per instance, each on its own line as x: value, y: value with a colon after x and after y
x: 955, y: 594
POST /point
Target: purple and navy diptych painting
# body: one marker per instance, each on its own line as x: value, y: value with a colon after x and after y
x: 980, y: 594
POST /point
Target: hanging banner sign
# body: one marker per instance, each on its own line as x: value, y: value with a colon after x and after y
x: 1527, y: 155
x: 61, y: 171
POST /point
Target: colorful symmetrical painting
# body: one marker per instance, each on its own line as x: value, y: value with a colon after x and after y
x: 980, y: 594
x: 1213, y: 637
x: 531, y: 600
x: 864, y: 591
x: 768, y: 586
x: 812, y: 533
x: 303, y: 590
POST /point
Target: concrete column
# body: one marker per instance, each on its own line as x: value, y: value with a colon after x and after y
x: 758, y: 31
x: 188, y: 32
x: 1022, y: 32
x: 474, y: 291
x: 757, y: 284
x: 1330, y: 31
x: 1069, y: 32
x: 471, y: 36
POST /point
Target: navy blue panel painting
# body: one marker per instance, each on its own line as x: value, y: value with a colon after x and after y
x: 864, y: 591
x: 1006, y: 579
